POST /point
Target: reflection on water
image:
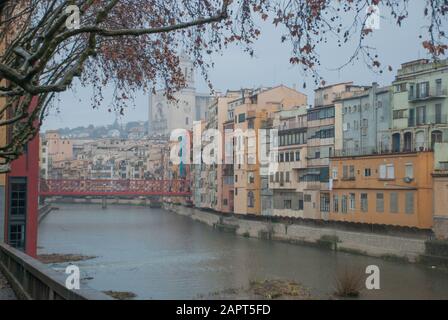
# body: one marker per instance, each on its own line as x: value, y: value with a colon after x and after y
x: 157, y: 254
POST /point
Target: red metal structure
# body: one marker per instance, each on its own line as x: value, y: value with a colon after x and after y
x: 106, y: 187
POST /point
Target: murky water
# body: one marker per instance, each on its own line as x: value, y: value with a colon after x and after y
x: 160, y: 255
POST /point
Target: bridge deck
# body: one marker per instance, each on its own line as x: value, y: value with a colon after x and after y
x: 104, y: 187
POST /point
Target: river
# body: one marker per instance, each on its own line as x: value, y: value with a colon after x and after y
x: 157, y: 254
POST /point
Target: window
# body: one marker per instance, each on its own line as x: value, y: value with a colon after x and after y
x: 325, y: 202
x: 409, y: 170
x: 241, y: 117
x: 236, y: 191
x: 291, y: 156
x: 250, y: 199
x: 436, y: 137
x: 335, y: 203
x: 287, y: 204
x: 367, y: 172
x: 18, y: 197
x: 438, y: 87
x: 287, y: 176
x: 300, y: 204
x: 398, y: 114
x: 250, y: 124
x: 17, y: 235
x: 421, y: 115
x: 423, y: 90
x: 271, y: 178
x: 250, y: 177
x: 281, y: 157
x: 277, y: 177
x: 352, y: 172
x: 390, y: 171
x: 236, y: 178
x: 352, y: 201
x: 438, y: 113
x: 379, y: 202
x: 382, y: 171
x: 394, y: 202
x: 409, y: 203
x: 400, y: 87
x: 334, y: 173
x: 186, y: 121
x: 344, y: 172
x: 344, y: 204
x: 287, y: 157
x: 297, y: 155
x: 364, y: 202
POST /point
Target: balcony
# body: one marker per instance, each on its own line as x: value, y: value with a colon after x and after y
x: 317, y: 162
x: 312, y: 185
x: 433, y: 119
x: 353, y: 152
x: 292, y: 125
x: 433, y: 93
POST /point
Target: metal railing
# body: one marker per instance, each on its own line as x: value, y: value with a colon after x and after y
x: 32, y: 280
x: 375, y: 151
x: 431, y: 93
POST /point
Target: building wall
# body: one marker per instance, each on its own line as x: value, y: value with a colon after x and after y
x: 440, y: 197
x: 391, y: 187
x: 407, y: 100
x: 365, y: 121
x: 57, y: 148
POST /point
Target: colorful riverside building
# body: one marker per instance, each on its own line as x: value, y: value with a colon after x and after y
x: 250, y: 112
x: 392, y: 167
x: 419, y: 106
x: 393, y: 189
x: 287, y: 191
x: 19, y: 196
x: 19, y: 189
x: 324, y: 122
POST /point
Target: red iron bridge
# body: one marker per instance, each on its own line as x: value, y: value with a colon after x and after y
x: 107, y: 187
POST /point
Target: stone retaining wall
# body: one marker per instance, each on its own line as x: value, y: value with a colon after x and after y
x: 372, y: 244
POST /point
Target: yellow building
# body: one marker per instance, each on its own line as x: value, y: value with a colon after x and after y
x: 390, y: 189
x: 249, y: 113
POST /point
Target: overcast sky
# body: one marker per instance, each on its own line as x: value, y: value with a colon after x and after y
x: 270, y: 66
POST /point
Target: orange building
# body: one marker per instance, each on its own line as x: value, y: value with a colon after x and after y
x: 250, y: 113
x: 393, y: 189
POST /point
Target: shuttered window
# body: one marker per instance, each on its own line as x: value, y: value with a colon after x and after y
x: 379, y: 202
x: 364, y: 202
x: 409, y: 203
x: 394, y: 202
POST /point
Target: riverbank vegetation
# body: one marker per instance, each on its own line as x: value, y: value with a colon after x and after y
x: 348, y: 283
x: 120, y: 295
x: 264, y: 289
x: 62, y: 258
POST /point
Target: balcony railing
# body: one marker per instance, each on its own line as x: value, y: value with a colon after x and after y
x: 430, y: 119
x: 292, y: 125
x: 431, y: 94
x: 374, y: 151
x: 353, y: 152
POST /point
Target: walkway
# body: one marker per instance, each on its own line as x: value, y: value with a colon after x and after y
x: 6, y: 292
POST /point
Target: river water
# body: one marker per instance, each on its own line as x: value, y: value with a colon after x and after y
x: 157, y: 254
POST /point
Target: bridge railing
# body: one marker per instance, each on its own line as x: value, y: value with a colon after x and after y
x: 32, y: 280
x: 107, y: 186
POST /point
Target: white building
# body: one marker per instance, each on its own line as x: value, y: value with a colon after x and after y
x: 188, y: 106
